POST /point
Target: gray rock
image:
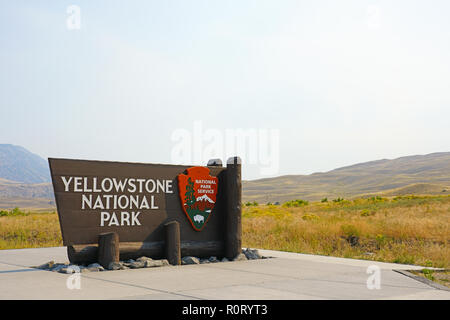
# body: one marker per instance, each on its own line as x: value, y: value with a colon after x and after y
x: 252, y: 254
x: 85, y: 270
x: 93, y: 267
x: 46, y: 266
x: 156, y: 263
x: 123, y: 266
x: 59, y: 266
x: 114, y: 266
x: 240, y: 257
x: 190, y: 260
x: 137, y: 264
x: 143, y: 259
x: 203, y: 261
x: 128, y: 262
x: 213, y: 259
x: 70, y: 269
x: 224, y: 259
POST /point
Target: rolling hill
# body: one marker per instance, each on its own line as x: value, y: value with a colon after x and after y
x: 420, y: 174
x: 24, y: 180
x: 12, y: 189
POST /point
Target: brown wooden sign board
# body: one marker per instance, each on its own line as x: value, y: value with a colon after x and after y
x: 135, y: 201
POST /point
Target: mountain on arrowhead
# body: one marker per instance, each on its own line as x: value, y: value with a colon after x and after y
x: 20, y: 165
x: 205, y: 198
x: 204, y: 203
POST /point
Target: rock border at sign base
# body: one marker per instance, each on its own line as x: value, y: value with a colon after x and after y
x: 144, y: 262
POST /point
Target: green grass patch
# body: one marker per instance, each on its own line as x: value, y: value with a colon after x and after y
x: 295, y: 203
x: 13, y: 213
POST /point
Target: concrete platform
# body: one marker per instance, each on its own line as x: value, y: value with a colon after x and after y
x: 285, y: 276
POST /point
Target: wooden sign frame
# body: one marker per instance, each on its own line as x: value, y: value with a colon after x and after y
x: 140, y: 203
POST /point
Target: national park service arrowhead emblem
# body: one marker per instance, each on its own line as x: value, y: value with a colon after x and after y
x: 198, y: 191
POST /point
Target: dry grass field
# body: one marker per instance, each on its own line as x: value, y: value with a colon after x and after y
x: 407, y: 229
x: 19, y: 229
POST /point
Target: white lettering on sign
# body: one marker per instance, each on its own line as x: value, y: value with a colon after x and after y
x: 111, y: 219
x: 131, y: 185
x: 205, y: 181
x: 66, y: 183
x: 139, y: 197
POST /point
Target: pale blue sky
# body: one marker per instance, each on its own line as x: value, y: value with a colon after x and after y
x: 342, y: 83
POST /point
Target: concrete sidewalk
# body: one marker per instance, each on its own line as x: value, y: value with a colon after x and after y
x: 286, y: 276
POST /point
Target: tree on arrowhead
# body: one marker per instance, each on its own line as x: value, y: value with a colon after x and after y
x: 190, y: 194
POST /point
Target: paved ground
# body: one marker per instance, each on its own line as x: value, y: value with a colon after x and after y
x: 286, y: 276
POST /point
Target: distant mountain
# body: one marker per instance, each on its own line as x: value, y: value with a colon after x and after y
x: 421, y: 174
x: 24, y: 179
x: 20, y: 165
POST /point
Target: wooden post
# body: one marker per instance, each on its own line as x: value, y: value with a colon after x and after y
x: 173, y: 245
x: 88, y: 253
x: 108, y: 248
x: 82, y: 254
x: 233, y: 227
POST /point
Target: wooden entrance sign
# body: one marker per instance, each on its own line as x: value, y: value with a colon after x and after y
x: 153, y: 210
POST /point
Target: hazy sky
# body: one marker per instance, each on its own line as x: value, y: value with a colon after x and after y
x: 340, y: 81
